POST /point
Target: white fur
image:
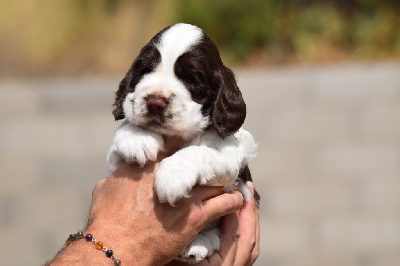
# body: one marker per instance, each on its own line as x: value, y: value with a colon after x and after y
x: 205, y: 160
x: 186, y: 118
x: 174, y: 42
x: 202, y: 246
x: 133, y: 144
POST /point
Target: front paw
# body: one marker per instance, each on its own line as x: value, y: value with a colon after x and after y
x: 174, y: 180
x: 138, y: 149
x: 132, y: 144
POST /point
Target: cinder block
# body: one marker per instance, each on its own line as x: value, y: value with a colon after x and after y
x: 381, y: 122
x: 294, y: 200
x: 357, y: 85
x: 19, y: 174
x: 275, y: 164
x: 283, y: 237
x: 382, y: 196
x: 16, y: 102
x: 48, y: 136
x: 300, y: 126
x: 268, y: 90
x: 352, y: 161
x: 361, y: 233
x: 78, y: 97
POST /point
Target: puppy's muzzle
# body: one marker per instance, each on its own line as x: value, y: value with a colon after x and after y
x: 156, y: 105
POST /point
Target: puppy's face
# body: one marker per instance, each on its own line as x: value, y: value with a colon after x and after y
x: 178, y: 86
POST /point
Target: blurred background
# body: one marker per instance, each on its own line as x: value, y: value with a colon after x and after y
x: 322, y: 84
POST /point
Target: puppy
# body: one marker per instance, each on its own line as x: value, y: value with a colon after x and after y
x: 179, y: 87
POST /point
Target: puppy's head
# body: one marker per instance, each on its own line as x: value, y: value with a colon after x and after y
x: 178, y: 86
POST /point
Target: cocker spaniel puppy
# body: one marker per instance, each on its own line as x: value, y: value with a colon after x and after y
x: 179, y: 87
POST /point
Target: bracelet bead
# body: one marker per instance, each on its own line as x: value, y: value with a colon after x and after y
x: 72, y: 236
x: 89, y: 237
x: 109, y: 253
x: 99, y: 245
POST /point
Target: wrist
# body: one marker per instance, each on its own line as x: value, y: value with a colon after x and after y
x: 79, y: 252
x: 124, y: 248
x: 131, y: 249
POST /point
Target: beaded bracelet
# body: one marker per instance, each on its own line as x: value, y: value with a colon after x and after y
x: 98, y: 244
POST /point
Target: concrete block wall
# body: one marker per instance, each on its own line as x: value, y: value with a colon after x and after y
x: 328, y: 168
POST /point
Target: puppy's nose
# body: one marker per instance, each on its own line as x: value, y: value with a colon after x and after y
x: 156, y: 104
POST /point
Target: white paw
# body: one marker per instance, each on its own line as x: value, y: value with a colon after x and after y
x: 113, y: 160
x: 132, y: 144
x: 138, y: 149
x: 201, y: 247
x: 174, y: 180
x: 194, y: 253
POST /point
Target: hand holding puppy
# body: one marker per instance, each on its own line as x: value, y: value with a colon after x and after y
x: 127, y: 216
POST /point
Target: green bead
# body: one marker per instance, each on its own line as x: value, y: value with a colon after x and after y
x: 109, y: 253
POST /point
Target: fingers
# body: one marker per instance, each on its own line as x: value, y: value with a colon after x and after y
x: 256, y: 251
x: 229, y: 238
x: 206, y: 192
x: 221, y: 205
x: 229, y: 242
x: 248, y: 231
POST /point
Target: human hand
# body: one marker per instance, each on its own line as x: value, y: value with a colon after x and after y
x: 248, y: 248
x: 126, y: 215
x: 240, y: 237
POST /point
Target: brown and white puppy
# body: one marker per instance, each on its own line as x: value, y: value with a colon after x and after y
x: 179, y: 87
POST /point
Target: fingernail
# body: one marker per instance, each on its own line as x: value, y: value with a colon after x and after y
x: 250, y: 186
x: 237, y: 184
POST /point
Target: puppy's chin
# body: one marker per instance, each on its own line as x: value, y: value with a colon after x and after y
x: 170, y: 131
x: 155, y: 122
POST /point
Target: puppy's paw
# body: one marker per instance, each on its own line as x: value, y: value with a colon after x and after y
x: 174, y: 180
x: 113, y: 160
x: 201, y: 247
x: 194, y: 253
x: 139, y: 149
x: 132, y: 144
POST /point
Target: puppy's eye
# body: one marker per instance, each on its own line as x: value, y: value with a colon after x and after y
x: 190, y: 78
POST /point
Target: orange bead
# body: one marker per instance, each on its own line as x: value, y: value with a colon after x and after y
x: 99, y: 245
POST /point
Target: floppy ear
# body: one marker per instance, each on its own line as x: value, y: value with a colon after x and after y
x: 120, y: 95
x: 229, y: 109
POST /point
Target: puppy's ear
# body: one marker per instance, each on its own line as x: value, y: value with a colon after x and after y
x: 229, y: 109
x: 120, y: 95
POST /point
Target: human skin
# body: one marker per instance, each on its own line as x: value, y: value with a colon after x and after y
x: 240, y: 237
x: 127, y: 217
